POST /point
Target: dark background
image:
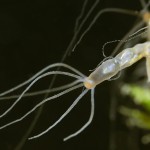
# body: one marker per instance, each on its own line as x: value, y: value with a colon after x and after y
x: 36, y: 33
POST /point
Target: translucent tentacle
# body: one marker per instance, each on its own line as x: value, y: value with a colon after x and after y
x: 63, y: 116
x: 39, y: 73
x: 80, y: 16
x: 42, y: 91
x: 135, y: 28
x: 32, y: 83
x: 145, y: 8
x: 41, y: 103
x: 143, y: 4
x: 89, y: 121
x: 127, y: 12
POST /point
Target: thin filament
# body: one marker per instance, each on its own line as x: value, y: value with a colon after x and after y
x: 89, y: 121
x: 143, y: 4
x: 42, y: 91
x: 146, y: 6
x: 133, y: 36
x: 88, y: 14
x: 33, y: 82
x: 80, y: 16
x: 72, y: 43
x: 139, y: 31
x: 134, y: 29
x: 39, y: 73
x: 41, y: 103
x: 63, y: 116
x: 127, y: 12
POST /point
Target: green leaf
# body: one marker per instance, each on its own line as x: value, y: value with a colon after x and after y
x: 140, y: 95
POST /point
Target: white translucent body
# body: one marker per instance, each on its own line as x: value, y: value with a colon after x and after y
x: 124, y: 59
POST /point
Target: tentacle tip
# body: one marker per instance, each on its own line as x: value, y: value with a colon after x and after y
x: 30, y: 138
x: 65, y: 139
x: 1, y: 116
